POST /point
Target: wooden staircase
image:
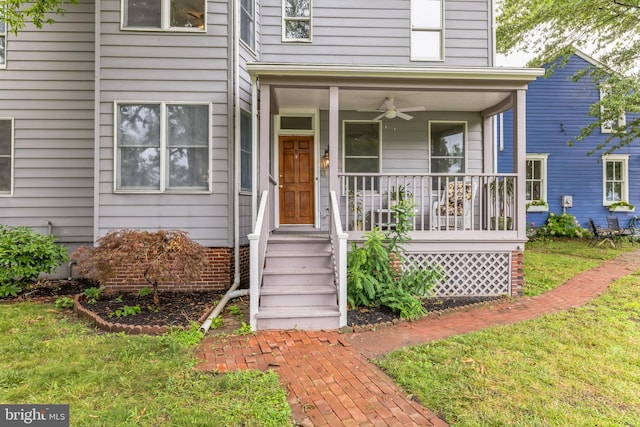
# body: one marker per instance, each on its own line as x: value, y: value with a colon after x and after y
x: 298, y: 290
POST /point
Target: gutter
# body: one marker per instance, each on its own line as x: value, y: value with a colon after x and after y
x: 232, y: 293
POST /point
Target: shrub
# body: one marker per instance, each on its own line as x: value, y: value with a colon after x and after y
x: 164, y: 256
x: 563, y: 225
x: 24, y: 254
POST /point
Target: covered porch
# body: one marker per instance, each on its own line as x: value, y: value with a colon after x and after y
x: 338, y: 147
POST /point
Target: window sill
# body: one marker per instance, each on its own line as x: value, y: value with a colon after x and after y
x: 538, y: 209
x: 622, y: 209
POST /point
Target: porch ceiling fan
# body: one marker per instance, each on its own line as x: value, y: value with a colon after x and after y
x: 390, y: 111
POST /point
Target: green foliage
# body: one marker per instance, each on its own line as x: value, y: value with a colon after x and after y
x: 9, y: 290
x: 606, y: 29
x: 24, y: 254
x: 371, y: 278
x: 177, y: 338
x: 245, y: 329
x: 17, y: 13
x: 93, y: 294
x: 64, y: 303
x: 127, y: 310
x: 234, y: 310
x: 164, y: 256
x: 563, y: 225
x: 143, y: 292
x: 217, y: 322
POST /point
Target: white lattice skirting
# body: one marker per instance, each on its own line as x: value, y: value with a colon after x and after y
x: 469, y: 274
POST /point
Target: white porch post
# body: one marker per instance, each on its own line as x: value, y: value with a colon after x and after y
x: 265, y: 126
x: 488, y: 146
x: 334, y: 137
x: 520, y: 159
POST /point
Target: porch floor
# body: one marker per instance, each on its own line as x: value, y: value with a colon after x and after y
x: 329, y: 379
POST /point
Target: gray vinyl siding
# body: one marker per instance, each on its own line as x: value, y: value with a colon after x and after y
x: 47, y: 88
x: 139, y: 66
x: 377, y: 32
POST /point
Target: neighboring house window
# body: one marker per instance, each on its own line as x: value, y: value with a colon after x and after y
x: 536, y: 178
x: 609, y: 126
x: 3, y: 44
x: 162, y: 147
x: 361, y: 153
x: 245, y: 152
x: 247, y: 22
x: 163, y: 14
x: 296, y: 20
x: 615, y: 178
x: 447, y: 146
x: 427, y: 28
x: 6, y: 156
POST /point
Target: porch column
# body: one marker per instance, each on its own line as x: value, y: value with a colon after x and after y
x: 265, y: 122
x: 334, y: 137
x: 488, y: 146
x: 520, y: 158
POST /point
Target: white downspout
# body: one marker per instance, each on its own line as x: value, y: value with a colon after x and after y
x: 232, y: 293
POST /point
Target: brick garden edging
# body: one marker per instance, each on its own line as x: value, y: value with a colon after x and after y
x: 84, y: 313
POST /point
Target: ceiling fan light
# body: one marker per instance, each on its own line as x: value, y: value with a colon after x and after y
x: 390, y: 114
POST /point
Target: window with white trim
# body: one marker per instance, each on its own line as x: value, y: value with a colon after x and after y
x: 361, y: 152
x: 6, y: 157
x: 247, y: 22
x: 180, y: 15
x: 163, y: 147
x: 296, y: 20
x: 3, y: 44
x: 536, y: 178
x: 427, y: 30
x: 612, y: 125
x: 615, y: 173
x: 447, y: 146
x: 246, y: 155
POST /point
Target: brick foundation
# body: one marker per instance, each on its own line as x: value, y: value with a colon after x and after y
x: 218, y: 275
x: 517, y: 273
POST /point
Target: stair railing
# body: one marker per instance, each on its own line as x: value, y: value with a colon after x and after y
x: 339, y: 253
x: 257, y: 247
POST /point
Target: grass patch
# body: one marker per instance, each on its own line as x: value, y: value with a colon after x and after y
x: 117, y: 379
x: 550, y: 263
x: 580, y: 367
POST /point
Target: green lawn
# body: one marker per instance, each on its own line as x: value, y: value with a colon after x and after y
x: 577, y: 368
x: 120, y: 380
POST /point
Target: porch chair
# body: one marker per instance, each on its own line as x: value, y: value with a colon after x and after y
x: 600, y: 235
x: 618, y: 232
x: 453, y: 210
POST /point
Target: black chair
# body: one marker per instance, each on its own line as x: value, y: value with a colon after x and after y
x: 614, y: 226
x: 600, y: 235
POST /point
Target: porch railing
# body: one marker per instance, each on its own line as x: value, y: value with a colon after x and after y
x: 257, y: 248
x: 339, y: 245
x: 451, y: 202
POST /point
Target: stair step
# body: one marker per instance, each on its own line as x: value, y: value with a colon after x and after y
x: 304, y: 318
x: 298, y: 244
x: 297, y: 296
x: 286, y: 259
x: 297, y: 276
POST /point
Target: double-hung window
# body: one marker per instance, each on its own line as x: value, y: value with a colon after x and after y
x: 247, y: 22
x: 447, y: 147
x: 3, y: 44
x: 615, y: 173
x: 361, y: 153
x: 536, y: 180
x: 181, y: 15
x: 610, y: 125
x: 296, y: 25
x: 163, y: 147
x: 246, y: 177
x: 427, y: 30
x: 6, y: 157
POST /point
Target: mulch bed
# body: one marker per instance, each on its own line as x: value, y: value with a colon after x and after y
x: 180, y: 309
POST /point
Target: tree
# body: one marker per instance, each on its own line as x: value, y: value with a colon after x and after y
x: 16, y: 13
x: 609, y: 30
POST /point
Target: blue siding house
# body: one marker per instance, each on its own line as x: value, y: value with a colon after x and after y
x: 566, y: 177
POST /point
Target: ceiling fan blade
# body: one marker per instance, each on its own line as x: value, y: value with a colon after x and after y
x: 403, y: 115
x: 410, y: 109
x: 379, y: 117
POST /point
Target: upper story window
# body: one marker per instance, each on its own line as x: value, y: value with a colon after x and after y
x: 6, y: 157
x: 296, y: 17
x: 447, y: 146
x: 427, y: 30
x: 247, y: 22
x: 611, y: 125
x: 615, y: 173
x: 178, y: 15
x: 162, y: 147
x: 536, y: 178
x: 3, y: 44
x: 246, y: 172
x: 361, y: 152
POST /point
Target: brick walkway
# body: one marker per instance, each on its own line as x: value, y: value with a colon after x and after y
x: 331, y: 383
